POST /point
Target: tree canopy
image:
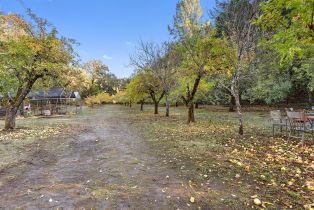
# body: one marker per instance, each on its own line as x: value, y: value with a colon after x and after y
x: 30, y: 51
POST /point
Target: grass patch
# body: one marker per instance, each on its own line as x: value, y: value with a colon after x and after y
x: 16, y: 145
x: 279, y: 172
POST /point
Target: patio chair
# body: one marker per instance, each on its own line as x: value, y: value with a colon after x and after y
x: 310, y: 123
x: 299, y: 123
x: 312, y: 111
x: 277, y: 120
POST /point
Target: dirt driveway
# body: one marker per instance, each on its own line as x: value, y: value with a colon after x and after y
x: 106, y: 165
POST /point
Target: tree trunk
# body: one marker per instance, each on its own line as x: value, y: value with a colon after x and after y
x: 196, y: 105
x: 14, y: 104
x: 191, y: 117
x: 231, y: 103
x: 189, y: 99
x: 167, y: 106
x: 156, y: 100
x: 142, y: 106
x: 10, y: 118
x: 156, y: 108
x: 130, y: 105
x: 22, y: 109
x: 310, y: 97
x: 177, y: 104
x: 238, y: 107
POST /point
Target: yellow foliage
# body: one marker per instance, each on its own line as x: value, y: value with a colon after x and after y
x: 101, y: 98
x: 121, y: 97
x: 90, y: 101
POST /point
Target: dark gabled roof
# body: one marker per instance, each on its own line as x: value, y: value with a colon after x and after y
x: 56, y: 93
x: 53, y: 93
x: 36, y: 95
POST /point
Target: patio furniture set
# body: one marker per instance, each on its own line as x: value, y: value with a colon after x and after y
x: 295, y: 123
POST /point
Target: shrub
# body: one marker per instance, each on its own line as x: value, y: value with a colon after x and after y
x: 90, y: 101
x: 101, y: 98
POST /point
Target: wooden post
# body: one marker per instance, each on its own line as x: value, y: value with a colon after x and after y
x: 50, y: 107
x: 66, y: 106
x: 76, y: 105
x: 41, y: 107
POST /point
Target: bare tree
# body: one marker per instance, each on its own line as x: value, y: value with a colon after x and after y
x: 234, y: 21
x: 161, y: 61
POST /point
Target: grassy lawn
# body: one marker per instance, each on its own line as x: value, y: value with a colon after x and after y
x: 226, y: 169
x: 221, y: 169
x: 16, y: 146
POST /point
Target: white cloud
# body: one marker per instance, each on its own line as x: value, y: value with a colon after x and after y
x: 107, y: 57
x: 129, y: 43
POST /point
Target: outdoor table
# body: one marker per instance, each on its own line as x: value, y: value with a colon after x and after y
x: 308, y: 118
x: 311, y: 120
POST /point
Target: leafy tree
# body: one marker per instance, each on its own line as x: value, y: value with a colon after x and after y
x: 292, y: 23
x: 110, y: 83
x: 235, y: 19
x: 101, y: 79
x: 121, y: 97
x: 272, y: 82
x: 97, y: 72
x: 76, y: 79
x: 145, y: 83
x: 161, y: 61
x: 198, y: 47
x: 203, y: 94
x: 137, y: 89
x: 32, y: 52
x: 280, y: 82
x: 292, y: 26
x: 305, y: 73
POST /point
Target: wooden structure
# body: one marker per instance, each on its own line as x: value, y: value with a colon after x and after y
x: 54, y: 101
x: 300, y: 122
x: 277, y: 120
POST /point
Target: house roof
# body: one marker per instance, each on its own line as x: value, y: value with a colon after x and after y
x: 54, y: 93
x: 57, y: 93
x: 36, y: 95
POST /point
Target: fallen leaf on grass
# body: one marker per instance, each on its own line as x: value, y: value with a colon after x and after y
x: 257, y: 201
x: 309, y: 206
x: 192, y: 199
x: 310, y: 185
